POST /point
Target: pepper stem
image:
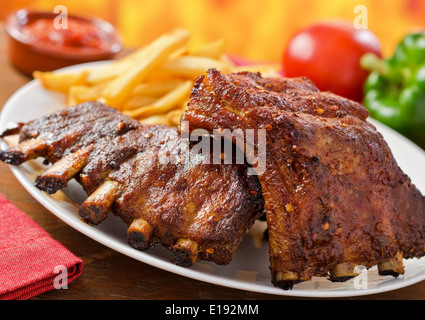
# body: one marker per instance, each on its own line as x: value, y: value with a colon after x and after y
x: 372, y: 63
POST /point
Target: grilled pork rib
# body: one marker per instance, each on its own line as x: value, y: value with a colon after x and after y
x: 199, y: 211
x: 334, y: 195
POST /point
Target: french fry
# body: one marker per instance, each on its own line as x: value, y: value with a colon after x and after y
x: 108, y: 72
x: 61, y: 81
x: 70, y: 101
x: 154, y: 55
x: 193, y: 66
x: 156, y: 88
x: 155, y: 119
x: 179, y: 52
x: 173, y: 117
x: 153, y: 83
x: 85, y: 93
x: 138, y: 101
x: 114, y: 69
x: 211, y: 50
x: 183, y: 104
x: 166, y: 103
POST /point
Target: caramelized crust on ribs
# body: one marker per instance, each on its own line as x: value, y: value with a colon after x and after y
x: 334, y: 194
x: 195, y: 209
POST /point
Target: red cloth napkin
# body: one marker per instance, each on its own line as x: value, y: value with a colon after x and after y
x: 31, y: 262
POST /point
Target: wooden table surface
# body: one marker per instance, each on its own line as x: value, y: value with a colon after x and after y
x: 108, y: 274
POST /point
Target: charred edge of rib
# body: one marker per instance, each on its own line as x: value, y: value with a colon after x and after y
x: 50, y: 184
x: 92, y: 214
x: 392, y: 267
x: 286, y: 280
x: 61, y: 172
x: 285, y: 284
x: 138, y: 240
x: 182, y: 257
x: 341, y: 279
x: 343, y: 272
x: 12, y: 131
x: 12, y: 157
x: 24, y: 151
x: 96, y: 207
x: 139, y: 234
x: 389, y: 273
x: 185, y: 253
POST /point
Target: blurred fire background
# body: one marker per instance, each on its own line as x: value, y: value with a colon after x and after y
x: 255, y: 29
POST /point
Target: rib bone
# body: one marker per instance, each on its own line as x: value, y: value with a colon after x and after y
x: 185, y: 252
x: 61, y: 172
x: 12, y: 131
x: 26, y: 150
x: 343, y: 272
x: 392, y: 267
x: 95, y: 209
x: 286, y: 280
x: 139, y: 234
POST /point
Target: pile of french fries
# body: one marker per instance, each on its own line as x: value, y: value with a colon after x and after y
x: 151, y: 84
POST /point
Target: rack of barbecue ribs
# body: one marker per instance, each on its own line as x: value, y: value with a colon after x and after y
x: 196, y: 209
x: 335, y: 197
x: 332, y: 192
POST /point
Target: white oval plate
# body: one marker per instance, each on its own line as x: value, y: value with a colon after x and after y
x: 249, y: 269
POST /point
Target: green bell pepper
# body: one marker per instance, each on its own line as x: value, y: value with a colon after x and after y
x: 395, y: 88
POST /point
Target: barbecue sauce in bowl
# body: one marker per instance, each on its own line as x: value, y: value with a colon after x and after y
x: 38, y: 42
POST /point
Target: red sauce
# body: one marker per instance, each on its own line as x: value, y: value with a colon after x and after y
x: 80, y: 35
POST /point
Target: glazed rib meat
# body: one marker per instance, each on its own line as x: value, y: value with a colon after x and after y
x: 197, y: 209
x: 334, y: 195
